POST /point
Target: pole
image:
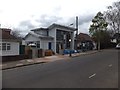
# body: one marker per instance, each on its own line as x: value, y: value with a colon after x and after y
x: 76, y: 32
x: 70, y: 54
x: 76, y: 25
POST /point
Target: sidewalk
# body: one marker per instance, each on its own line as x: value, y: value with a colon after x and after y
x: 25, y: 62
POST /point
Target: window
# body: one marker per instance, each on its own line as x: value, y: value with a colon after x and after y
x: 38, y: 44
x: 8, y: 46
x: 5, y: 46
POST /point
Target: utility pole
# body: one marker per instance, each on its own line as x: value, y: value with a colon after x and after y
x: 76, y: 25
x: 76, y: 33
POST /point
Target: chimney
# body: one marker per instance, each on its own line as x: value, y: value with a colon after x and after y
x: 7, y: 31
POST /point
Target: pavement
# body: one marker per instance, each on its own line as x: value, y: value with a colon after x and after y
x: 46, y: 59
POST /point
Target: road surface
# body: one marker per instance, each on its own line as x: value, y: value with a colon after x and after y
x: 99, y: 70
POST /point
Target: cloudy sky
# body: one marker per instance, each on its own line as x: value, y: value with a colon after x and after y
x: 24, y: 15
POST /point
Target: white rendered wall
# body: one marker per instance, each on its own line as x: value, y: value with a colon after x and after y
x: 52, y: 33
x: 31, y: 38
x: 44, y: 44
x: 14, y: 49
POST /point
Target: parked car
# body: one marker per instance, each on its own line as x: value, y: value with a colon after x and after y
x: 118, y: 46
x: 68, y: 51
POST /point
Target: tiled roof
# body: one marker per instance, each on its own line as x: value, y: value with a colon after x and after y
x: 5, y: 34
x: 84, y: 37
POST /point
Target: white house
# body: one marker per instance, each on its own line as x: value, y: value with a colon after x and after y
x: 55, y: 37
x: 9, y: 45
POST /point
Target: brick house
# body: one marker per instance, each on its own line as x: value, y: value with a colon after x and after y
x: 9, y: 45
x: 85, y: 39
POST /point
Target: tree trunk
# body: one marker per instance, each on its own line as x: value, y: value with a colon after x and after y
x: 98, y: 45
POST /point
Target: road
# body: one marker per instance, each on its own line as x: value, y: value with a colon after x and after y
x: 99, y: 70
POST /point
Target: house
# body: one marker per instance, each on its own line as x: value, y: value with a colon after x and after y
x: 85, y: 40
x: 55, y: 37
x: 116, y: 38
x: 9, y: 45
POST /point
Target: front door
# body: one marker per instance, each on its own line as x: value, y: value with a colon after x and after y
x: 57, y: 48
x: 49, y: 45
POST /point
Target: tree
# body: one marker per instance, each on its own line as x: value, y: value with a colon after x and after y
x: 16, y: 33
x: 98, y: 27
x: 112, y: 15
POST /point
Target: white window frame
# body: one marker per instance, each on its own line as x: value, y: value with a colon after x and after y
x: 7, y: 46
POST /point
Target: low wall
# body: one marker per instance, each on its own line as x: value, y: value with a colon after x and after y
x: 14, y: 58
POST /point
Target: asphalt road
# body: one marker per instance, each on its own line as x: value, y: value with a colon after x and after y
x: 99, y: 70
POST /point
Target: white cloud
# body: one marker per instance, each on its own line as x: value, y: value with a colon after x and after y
x: 83, y: 28
x: 14, y: 12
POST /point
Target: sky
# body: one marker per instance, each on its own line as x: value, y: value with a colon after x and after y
x: 24, y: 15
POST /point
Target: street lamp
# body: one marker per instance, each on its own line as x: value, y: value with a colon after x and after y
x: 70, y: 48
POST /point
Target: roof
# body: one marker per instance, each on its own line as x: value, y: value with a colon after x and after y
x: 6, y: 35
x: 84, y: 37
x: 54, y: 25
x: 61, y: 26
x: 37, y: 29
x: 39, y: 36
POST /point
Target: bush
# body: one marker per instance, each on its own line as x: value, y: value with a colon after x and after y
x: 107, y: 45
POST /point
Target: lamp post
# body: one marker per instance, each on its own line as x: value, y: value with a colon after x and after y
x: 70, y: 48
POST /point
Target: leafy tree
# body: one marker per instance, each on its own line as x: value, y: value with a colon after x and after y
x: 98, y: 28
x: 112, y: 15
